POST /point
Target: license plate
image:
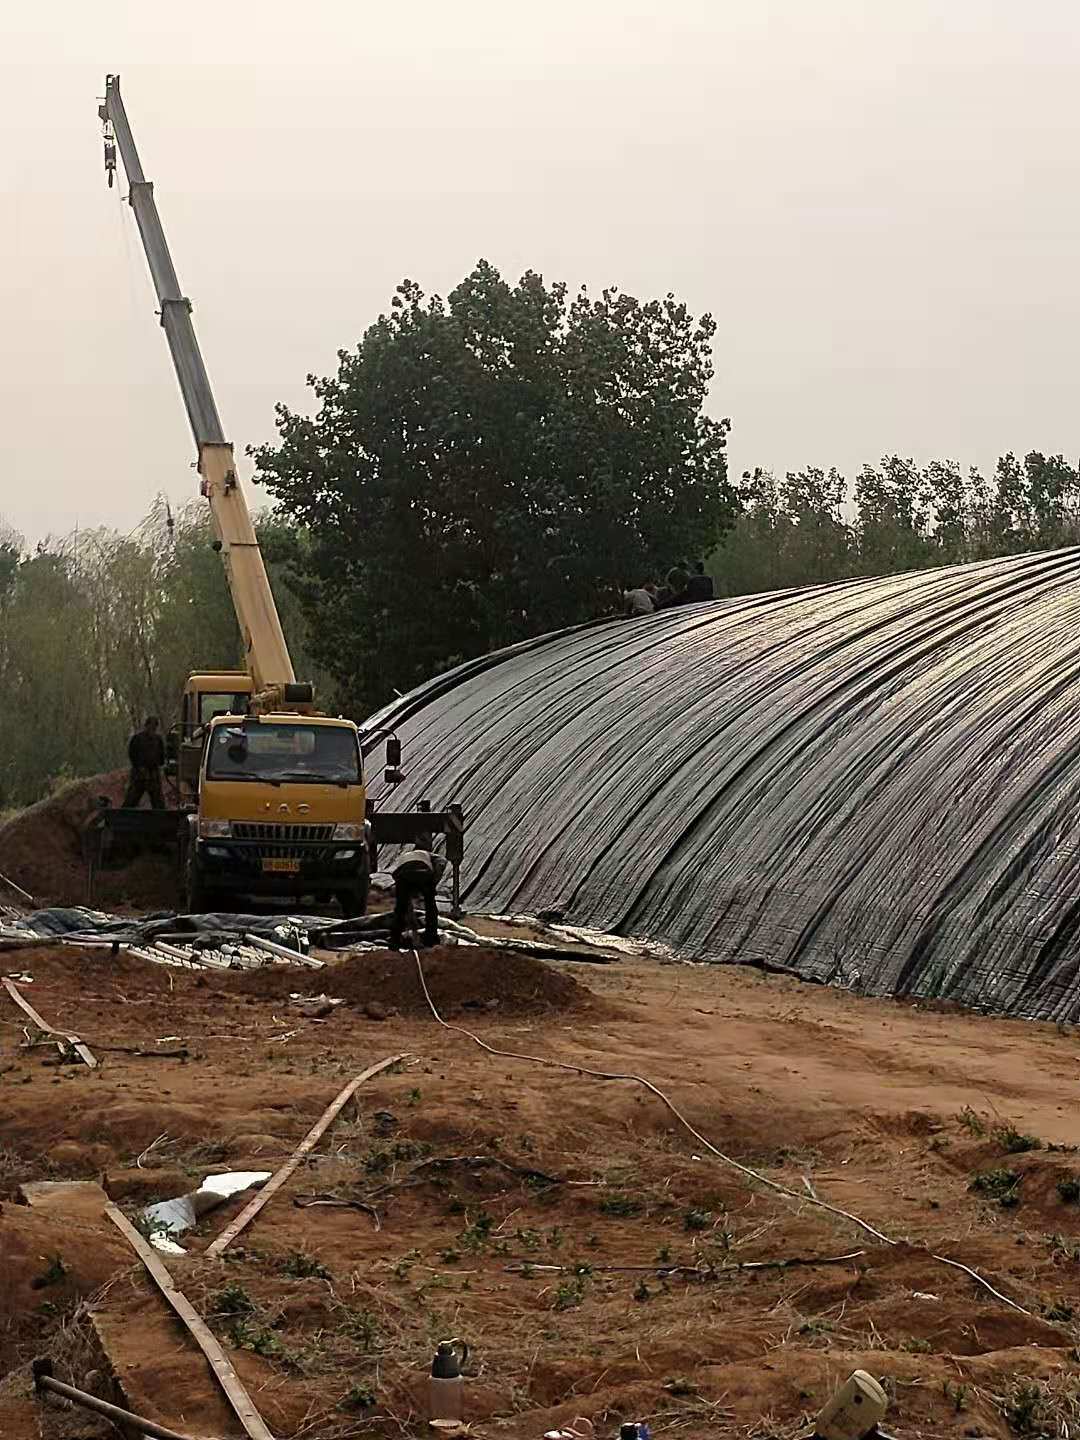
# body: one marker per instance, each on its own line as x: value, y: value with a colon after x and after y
x: 281, y: 867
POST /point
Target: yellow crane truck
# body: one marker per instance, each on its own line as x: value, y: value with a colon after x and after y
x: 271, y: 794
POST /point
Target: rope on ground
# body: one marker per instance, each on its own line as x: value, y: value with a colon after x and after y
x: 803, y: 1199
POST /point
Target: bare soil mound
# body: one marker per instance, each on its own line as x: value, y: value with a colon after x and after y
x: 41, y: 850
x: 462, y: 979
x: 49, y: 1265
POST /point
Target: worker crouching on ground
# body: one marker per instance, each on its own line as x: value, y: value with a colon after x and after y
x: 416, y: 872
x: 146, y: 751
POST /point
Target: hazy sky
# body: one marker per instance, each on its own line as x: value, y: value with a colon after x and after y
x: 877, y: 200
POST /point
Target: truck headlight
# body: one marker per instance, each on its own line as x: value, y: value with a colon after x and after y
x: 348, y: 832
x: 215, y: 829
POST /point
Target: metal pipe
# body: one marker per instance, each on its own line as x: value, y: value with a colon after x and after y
x: 273, y: 948
x: 43, y: 1380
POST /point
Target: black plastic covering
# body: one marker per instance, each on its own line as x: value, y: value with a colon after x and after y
x: 874, y: 782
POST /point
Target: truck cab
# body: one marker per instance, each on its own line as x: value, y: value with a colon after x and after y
x: 281, y: 812
x: 206, y: 695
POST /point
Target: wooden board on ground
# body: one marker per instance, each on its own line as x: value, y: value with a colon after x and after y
x: 73, y: 1040
x: 220, y: 1364
x: 310, y: 1140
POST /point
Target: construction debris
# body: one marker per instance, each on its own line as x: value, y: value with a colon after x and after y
x: 169, y: 1218
x: 67, y: 1036
x: 124, y: 1420
x: 73, y: 1199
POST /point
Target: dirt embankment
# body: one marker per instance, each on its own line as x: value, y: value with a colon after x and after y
x: 460, y: 979
x: 41, y: 850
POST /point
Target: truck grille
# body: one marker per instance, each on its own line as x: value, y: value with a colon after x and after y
x: 257, y: 830
x: 312, y: 854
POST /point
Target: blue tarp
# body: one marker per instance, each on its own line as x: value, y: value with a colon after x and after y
x: 874, y: 782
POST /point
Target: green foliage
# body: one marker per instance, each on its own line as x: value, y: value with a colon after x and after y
x: 99, y: 629
x: 813, y: 525
x: 479, y: 470
x: 360, y: 1397
x: 493, y: 465
x: 362, y: 1327
x: 476, y: 1235
x: 956, y: 1394
x: 1069, y: 1190
x: 971, y: 1122
x: 571, y: 1292
x: 1013, y: 1141
x: 233, y: 1300
x: 302, y: 1266
x: 251, y: 1335
x: 1025, y: 1408
x: 1000, y: 1185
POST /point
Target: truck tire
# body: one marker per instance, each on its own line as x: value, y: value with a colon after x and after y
x: 197, y: 898
x: 354, y: 902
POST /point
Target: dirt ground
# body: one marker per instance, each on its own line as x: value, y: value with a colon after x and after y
x: 507, y: 1195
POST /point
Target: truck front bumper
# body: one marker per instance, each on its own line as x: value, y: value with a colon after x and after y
x: 253, y: 867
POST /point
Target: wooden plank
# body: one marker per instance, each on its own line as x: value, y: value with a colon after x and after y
x: 22, y: 894
x: 310, y: 1140
x: 241, y: 1402
x: 24, y: 1005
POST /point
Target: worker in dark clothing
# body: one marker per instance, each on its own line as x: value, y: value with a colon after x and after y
x: 674, y: 591
x: 146, y: 751
x: 700, y: 585
x: 416, y: 872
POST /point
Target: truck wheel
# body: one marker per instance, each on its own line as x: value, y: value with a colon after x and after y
x: 354, y: 902
x: 196, y: 895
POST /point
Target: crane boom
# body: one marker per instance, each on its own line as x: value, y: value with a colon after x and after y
x: 266, y: 652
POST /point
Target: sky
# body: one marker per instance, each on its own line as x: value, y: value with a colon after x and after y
x: 875, y: 198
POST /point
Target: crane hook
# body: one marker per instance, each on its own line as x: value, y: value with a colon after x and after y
x: 110, y: 144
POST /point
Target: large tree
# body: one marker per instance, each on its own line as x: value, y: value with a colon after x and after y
x: 490, y: 466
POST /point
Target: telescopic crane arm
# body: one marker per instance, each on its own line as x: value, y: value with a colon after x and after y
x: 267, y: 654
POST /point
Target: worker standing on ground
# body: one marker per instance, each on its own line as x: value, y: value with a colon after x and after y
x: 699, y: 586
x: 146, y: 751
x: 416, y: 872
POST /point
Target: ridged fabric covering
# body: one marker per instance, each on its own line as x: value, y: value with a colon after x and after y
x: 874, y: 782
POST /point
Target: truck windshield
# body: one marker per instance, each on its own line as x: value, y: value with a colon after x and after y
x: 279, y: 753
x: 212, y: 703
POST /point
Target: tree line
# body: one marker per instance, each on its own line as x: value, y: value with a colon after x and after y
x: 480, y: 469
x: 99, y: 629
x: 815, y: 525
